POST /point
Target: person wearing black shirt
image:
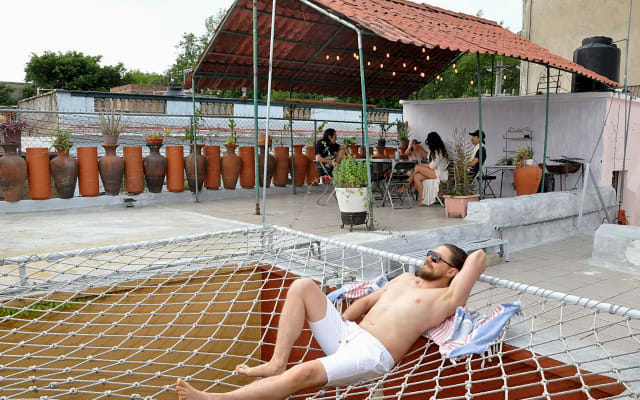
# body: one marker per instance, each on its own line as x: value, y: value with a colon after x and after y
x: 328, y: 150
x: 475, y: 161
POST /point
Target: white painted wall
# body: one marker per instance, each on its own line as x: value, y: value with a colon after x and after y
x: 575, y: 123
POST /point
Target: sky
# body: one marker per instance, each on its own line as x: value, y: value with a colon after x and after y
x: 142, y: 34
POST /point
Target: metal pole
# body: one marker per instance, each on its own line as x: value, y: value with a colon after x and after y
x: 266, y: 136
x: 195, y: 141
x: 366, y: 129
x: 293, y: 156
x: 255, y: 103
x: 479, y: 126
x: 585, y: 184
x: 493, y: 75
x: 626, y: 112
x: 546, y: 134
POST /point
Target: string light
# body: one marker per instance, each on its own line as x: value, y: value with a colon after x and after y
x: 455, y: 70
x: 472, y: 81
x: 327, y: 57
x: 355, y: 56
x: 368, y: 63
x: 388, y: 55
x: 415, y: 68
x: 454, y: 65
x: 381, y: 66
x: 422, y: 74
x: 375, y: 48
x: 404, y: 65
x: 438, y: 77
x: 504, y: 76
x: 393, y: 73
x: 427, y: 58
x: 424, y: 50
x: 338, y: 58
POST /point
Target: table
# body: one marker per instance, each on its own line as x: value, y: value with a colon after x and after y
x: 495, y: 169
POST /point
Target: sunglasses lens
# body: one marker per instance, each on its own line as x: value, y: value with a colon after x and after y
x: 435, y: 257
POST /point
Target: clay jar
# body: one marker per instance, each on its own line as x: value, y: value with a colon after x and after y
x: 527, y: 179
x: 212, y: 181
x: 248, y: 172
x: 64, y: 171
x: 155, y: 167
x: 133, y: 169
x: 175, y: 168
x: 300, y: 164
x: 13, y: 173
x: 281, y: 173
x: 230, y: 164
x: 88, y: 171
x: 313, y: 176
x: 38, y: 171
x: 271, y: 166
x: 111, y: 168
x: 379, y: 152
x: 190, y: 167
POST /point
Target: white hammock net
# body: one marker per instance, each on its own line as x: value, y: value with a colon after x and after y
x: 126, y: 321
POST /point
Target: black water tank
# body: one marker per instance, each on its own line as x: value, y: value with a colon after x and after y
x: 601, y: 56
x: 174, y: 91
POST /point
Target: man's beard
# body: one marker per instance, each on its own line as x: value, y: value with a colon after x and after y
x: 426, y: 275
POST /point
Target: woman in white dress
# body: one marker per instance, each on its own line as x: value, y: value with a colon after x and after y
x: 436, y: 169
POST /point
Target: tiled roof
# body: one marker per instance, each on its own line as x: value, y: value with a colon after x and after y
x: 313, y: 53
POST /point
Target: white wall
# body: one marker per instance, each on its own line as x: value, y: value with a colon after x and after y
x: 575, y: 122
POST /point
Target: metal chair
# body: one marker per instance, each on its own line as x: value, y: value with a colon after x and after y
x: 399, y: 177
x: 326, y: 178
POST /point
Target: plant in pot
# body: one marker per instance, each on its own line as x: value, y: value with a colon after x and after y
x: 230, y: 163
x: 527, y: 175
x: 459, y: 191
x: 350, y: 144
x: 13, y: 168
x: 380, y: 147
x: 64, y: 169
x: 194, y: 156
x: 111, y: 166
x: 350, y: 178
x: 110, y: 127
x: 402, y: 135
x: 157, y: 137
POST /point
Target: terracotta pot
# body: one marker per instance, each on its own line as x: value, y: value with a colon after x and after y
x: 271, y: 166
x: 110, y: 139
x: 190, y: 169
x: 64, y: 171
x: 403, y: 143
x: 39, y: 174
x: 88, y: 184
x: 281, y: 173
x: 248, y: 172
x: 379, y: 152
x: 133, y: 169
x: 361, y: 153
x: 527, y: 179
x: 13, y: 172
x: 300, y: 165
x: 175, y: 168
x: 353, y: 150
x: 212, y: 180
x: 111, y: 168
x: 231, y: 165
x: 312, y: 177
x: 155, y: 168
x: 154, y: 141
x: 457, y: 205
x: 262, y: 137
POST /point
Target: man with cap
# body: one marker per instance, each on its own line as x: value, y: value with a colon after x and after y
x: 474, y: 163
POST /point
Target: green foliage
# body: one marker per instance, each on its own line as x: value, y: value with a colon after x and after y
x: 524, y: 153
x: 349, y: 141
x: 403, y: 130
x: 38, y: 308
x: 28, y: 91
x: 110, y: 124
x: 455, y: 85
x: 233, y: 134
x: 158, y: 134
x: 189, y: 132
x: 350, y: 173
x: 460, y: 181
x: 62, y: 142
x: 505, y: 161
x: 144, y: 78
x: 5, y: 95
x: 72, y: 71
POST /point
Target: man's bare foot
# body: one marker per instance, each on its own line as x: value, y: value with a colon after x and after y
x: 264, y: 370
x: 187, y: 392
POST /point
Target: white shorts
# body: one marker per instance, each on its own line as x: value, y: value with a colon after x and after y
x: 352, y: 353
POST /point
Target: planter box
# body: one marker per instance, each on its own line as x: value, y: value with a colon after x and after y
x: 457, y: 205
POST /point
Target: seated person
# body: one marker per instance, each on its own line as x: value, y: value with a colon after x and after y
x: 436, y: 168
x: 396, y: 316
x: 474, y: 163
x: 328, y: 151
x: 415, y: 151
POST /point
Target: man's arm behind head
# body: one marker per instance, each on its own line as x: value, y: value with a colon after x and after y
x: 461, y: 285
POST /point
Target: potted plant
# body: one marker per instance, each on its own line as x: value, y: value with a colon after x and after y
x: 13, y: 168
x: 350, y: 178
x: 380, y: 147
x: 459, y: 191
x: 194, y: 156
x: 64, y: 169
x: 157, y: 137
x: 402, y: 135
x: 527, y: 175
x: 110, y: 127
x: 231, y: 164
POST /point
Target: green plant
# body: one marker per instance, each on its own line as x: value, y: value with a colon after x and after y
x: 382, y: 142
x: 350, y: 173
x: 349, y: 141
x: 110, y: 124
x: 505, y: 161
x: 233, y: 134
x: 190, y: 131
x: 403, y: 130
x: 524, y: 153
x: 318, y: 131
x: 12, y: 129
x: 62, y: 142
x: 460, y: 181
x: 159, y: 135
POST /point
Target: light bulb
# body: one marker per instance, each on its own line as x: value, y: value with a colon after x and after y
x: 455, y: 70
x: 427, y: 58
x: 454, y: 65
x: 388, y: 55
x: 355, y: 56
x: 369, y: 63
x: 381, y: 65
x: 338, y: 58
x: 393, y: 73
x: 472, y: 81
x: 327, y: 57
x: 422, y: 74
x: 375, y: 48
x: 415, y: 68
x: 504, y: 76
x: 424, y: 50
x: 438, y: 77
x: 404, y: 65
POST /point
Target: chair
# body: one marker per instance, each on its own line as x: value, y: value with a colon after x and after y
x: 399, y: 177
x: 326, y: 178
x: 487, y: 179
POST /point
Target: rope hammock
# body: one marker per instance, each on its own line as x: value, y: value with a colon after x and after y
x: 124, y: 322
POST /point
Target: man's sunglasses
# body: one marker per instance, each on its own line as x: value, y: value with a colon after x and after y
x: 435, y: 257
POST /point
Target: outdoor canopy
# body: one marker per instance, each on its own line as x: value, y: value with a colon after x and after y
x: 405, y: 44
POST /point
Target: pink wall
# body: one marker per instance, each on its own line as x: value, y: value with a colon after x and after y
x: 613, y: 151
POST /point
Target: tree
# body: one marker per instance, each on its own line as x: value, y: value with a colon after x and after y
x: 72, y: 71
x: 5, y: 95
x: 144, y: 78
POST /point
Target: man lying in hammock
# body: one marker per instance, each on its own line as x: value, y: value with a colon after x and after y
x: 396, y: 316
